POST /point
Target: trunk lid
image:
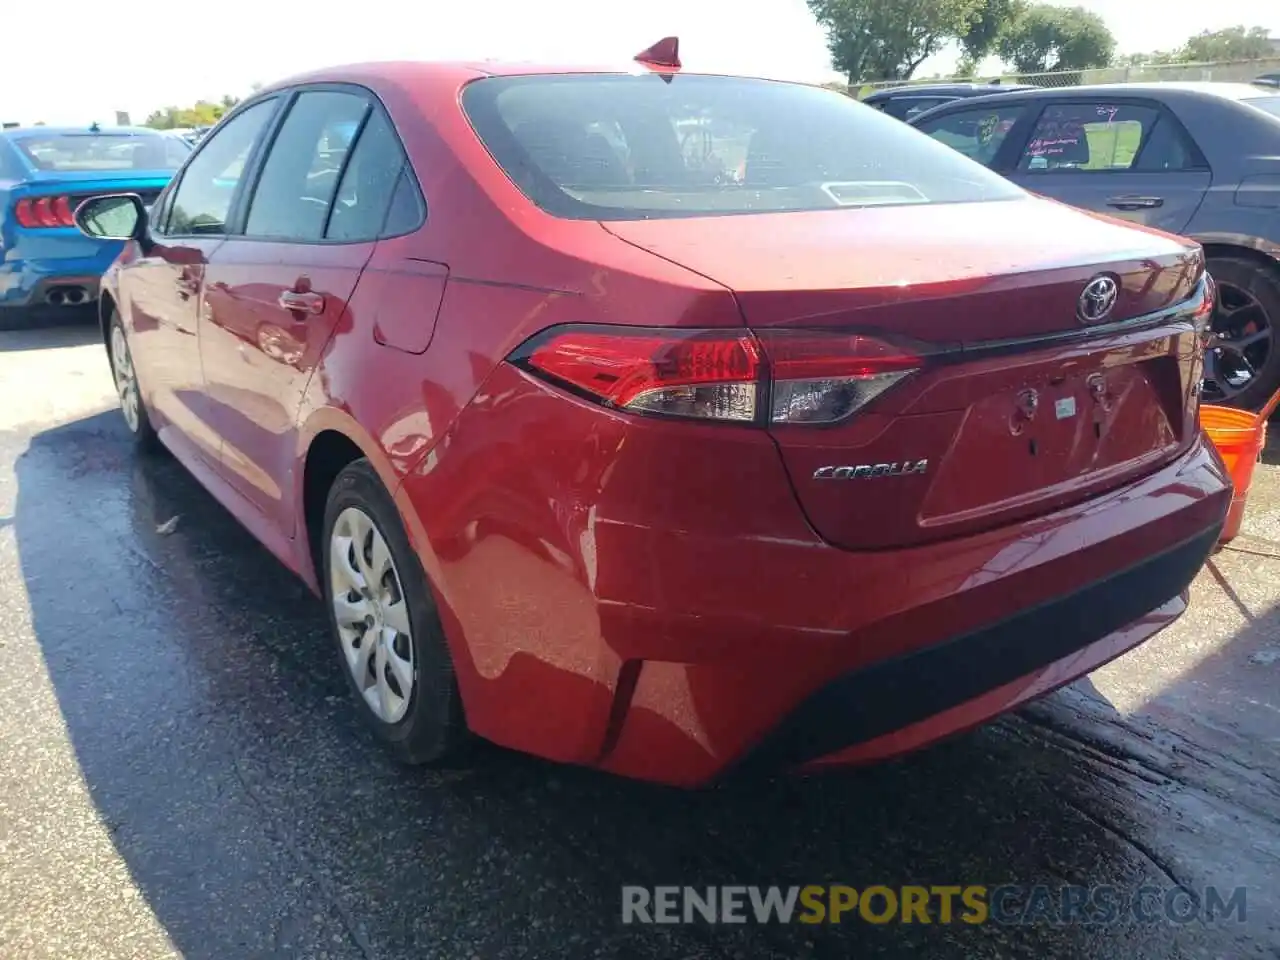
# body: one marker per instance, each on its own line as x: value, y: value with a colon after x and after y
x: 1018, y: 407
x: 80, y: 185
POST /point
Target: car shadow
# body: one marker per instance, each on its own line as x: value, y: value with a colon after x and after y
x: 258, y: 817
x: 71, y: 331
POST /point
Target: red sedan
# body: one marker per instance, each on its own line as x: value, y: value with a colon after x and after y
x: 668, y: 423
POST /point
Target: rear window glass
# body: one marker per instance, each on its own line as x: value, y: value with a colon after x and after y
x: 90, y: 151
x: 1270, y: 104
x: 615, y: 147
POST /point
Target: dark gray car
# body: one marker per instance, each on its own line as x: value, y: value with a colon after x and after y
x: 911, y: 100
x: 1197, y: 159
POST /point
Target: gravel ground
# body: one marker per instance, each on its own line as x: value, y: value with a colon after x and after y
x: 181, y: 774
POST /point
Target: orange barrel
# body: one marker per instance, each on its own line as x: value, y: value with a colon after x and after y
x: 1239, y: 436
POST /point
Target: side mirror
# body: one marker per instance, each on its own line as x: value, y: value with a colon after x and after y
x: 119, y: 216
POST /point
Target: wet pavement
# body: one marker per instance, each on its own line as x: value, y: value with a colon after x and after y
x: 181, y: 773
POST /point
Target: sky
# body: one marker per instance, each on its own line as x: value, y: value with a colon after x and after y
x: 146, y: 63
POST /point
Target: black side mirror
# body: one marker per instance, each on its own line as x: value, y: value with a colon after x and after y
x: 119, y: 216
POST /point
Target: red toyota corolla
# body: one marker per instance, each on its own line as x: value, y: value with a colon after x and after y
x: 668, y: 423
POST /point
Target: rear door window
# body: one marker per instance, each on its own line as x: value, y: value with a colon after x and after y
x: 978, y: 133
x: 602, y: 147
x: 369, y: 182
x: 1168, y: 148
x: 291, y: 200
x: 1095, y: 135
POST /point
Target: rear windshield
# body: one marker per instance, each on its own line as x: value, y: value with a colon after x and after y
x: 69, y: 152
x: 620, y: 147
x: 1270, y: 104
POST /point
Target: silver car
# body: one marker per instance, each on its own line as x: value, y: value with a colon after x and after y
x: 1197, y: 159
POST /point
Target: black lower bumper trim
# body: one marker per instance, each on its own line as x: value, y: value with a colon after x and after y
x: 896, y: 693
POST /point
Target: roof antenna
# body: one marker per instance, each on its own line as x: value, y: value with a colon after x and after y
x: 664, y: 53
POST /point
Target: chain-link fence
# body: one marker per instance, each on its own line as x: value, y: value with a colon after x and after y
x: 1237, y: 71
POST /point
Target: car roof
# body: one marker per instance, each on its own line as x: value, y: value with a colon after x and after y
x: 927, y: 89
x: 413, y: 72
x: 20, y: 133
x: 1168, y: 88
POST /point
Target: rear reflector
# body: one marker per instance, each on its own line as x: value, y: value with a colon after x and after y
x: 811, y: 377
x: 44, y: 212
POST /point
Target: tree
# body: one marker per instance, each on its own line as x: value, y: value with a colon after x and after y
x: 202, y: 113
x: 1047, y: 38
x: 1147, y: 59
x: 1233, y: 43
x: 889, y: 39
x: 991, y: 22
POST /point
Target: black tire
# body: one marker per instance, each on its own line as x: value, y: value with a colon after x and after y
x: 1262, y: 282
x: 143, y: 433
x: 433, y: 729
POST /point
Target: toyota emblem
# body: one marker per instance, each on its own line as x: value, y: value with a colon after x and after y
x: 1098, y: 299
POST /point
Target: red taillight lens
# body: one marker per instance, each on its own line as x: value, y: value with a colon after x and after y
x: 62, y: 212
x: 44, y: 212
x: 825, y: 377
x: 703, y: 374
x: 43, y: 209
x: 24, y: 214
x: 810, y: 377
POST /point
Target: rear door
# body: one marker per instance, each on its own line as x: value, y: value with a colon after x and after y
x: 278, y: 288
x: 1130, y: 159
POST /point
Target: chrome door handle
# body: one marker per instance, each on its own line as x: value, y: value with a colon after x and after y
x: 307, y: 302
x: 1135, y: 203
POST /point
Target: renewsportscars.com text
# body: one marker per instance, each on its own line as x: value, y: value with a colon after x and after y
x: 968, y: 904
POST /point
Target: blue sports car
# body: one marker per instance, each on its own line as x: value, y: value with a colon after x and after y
x: 46, y: 264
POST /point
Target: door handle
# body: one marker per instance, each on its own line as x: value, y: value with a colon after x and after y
x: 1135, y: 203
x: 302, y: 302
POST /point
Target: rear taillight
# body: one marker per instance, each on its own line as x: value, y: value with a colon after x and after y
x: 704, y: 374
x: 780, y: 377
x: 38, y: 212
x: 824, y: 377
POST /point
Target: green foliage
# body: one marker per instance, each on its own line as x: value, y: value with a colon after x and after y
x: 889, y: 39
x: 1233, y: 43
x: 1145, y: 59
x: 202, y: 113
x: 1045, y: 38
x: 993, y: 19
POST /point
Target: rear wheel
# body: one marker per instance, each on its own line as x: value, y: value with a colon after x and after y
x: 1242, y: 363
x: 125, y: 376
x: 383, y: 617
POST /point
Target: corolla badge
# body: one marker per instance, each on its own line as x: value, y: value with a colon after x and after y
x: 867, y: 471
x: 1098, y: 299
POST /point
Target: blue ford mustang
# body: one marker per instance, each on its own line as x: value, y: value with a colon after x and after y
x: 46, y: 264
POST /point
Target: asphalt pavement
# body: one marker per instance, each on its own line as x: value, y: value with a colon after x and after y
x: 182, y: 775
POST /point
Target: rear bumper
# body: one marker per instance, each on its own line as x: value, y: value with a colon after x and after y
x: 27, y: 282
x: 646, y: 596
x: 907, y: 701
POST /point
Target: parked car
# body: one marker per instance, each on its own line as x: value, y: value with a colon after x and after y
x: 1197, y: 159
x: 601, y: 454
x: 911, y: 100
x: 1268, y: 80
x: 46, y: 264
